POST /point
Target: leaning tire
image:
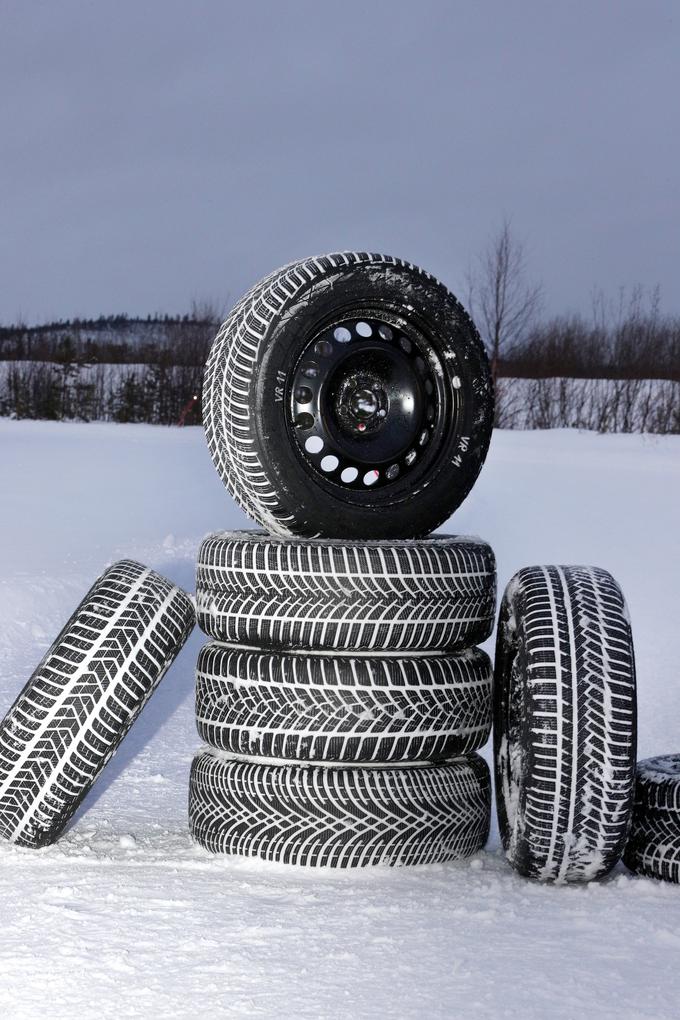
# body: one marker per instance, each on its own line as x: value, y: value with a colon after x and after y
x: 83, y: 697
x: 564, y: 723
x: 325, y: 815
x: 435, y: 593
x: 653, y: 848
x: 341, y: 708
x: 378, y: 434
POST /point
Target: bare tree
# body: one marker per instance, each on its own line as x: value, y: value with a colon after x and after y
x: 502, y: 302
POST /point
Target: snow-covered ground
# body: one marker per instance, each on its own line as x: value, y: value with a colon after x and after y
x: 125, y: 918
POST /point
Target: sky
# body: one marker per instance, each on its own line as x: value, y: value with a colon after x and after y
x: 156, y: 153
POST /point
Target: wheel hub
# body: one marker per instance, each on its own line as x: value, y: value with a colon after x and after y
x: 361, y: 404
x: 364, y: 404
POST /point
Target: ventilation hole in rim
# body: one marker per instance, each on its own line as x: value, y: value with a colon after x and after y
x: 410, y: 457
x: 420, y: 364
x: 342, y: 335
x: 363, y: 329
x: 385, y: 332
x: 429, y: 387
x: 371, y: 477
x: 304, y: 421
x: 430, y: 413
x: 406, y: 345
x: 303, y: 394
x: 329, y: 462
x: 314, y: 444
x: 324, y: 348
x: 349, y: 474
x: 392, y: 472
x: 310, y: 370
x: 456, y: 383
x: 423, y: 437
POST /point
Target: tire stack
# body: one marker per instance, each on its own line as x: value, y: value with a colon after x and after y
x: 348, y: 409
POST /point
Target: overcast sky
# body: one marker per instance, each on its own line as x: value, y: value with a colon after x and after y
x: 152, y: 153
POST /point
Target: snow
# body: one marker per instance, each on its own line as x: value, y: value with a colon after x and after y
x: 125, y: 918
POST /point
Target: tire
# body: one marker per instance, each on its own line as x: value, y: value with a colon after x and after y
x: 564, y: 723
x: 414, y: 397
x: 653, y: 848
x: 325, y: 815
x: 431, y: 594
x: 83, y: 697
x: 337, y: 708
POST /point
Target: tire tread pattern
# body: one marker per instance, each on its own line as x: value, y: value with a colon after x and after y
x: 653, y: 848
x: 428, y: 595
x: 318, y: 815
x: 565, y: 723
x: 83, y: 697
x: 341, y: 708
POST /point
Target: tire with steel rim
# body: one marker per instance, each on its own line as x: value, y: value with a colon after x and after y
x: 564, y: 723
x: 348, y: 395
x: 653, y: 848
x: 429, y: 594
x: 343, y: 708
x: 83, y: 697
x: 340, y: 817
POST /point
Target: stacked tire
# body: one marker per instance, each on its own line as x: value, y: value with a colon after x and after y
x: 348, y: 409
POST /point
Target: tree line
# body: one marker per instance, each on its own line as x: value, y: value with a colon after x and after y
x: 617, y: 369
x: 108, y: 369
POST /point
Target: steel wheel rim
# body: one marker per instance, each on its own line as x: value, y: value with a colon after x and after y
x: 368, y: 404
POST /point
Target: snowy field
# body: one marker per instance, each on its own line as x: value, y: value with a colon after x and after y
x: 125, y: 918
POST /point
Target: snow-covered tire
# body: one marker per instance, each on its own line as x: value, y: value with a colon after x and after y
x: 326, y: 815
x: 433, y: 593
x: 83, y: 697
x: 564, y: 723
x: 653, y: 847
x: 421, y: 447
x: 340, y: 708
